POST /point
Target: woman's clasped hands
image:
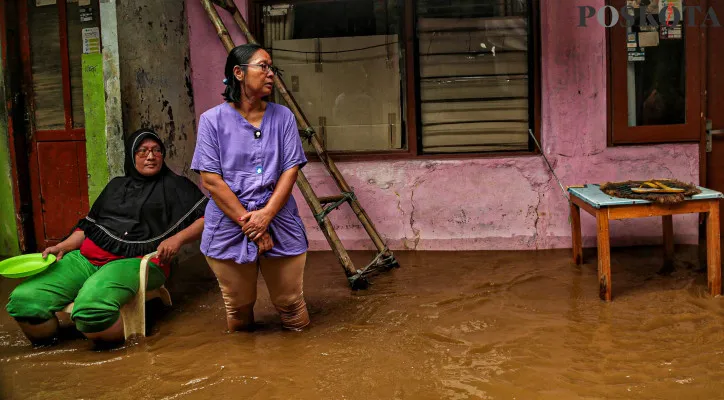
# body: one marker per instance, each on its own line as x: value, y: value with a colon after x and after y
x: 255, y: 225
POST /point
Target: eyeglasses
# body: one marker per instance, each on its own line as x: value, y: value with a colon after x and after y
x: 265, y: 68
x: 143, y: 152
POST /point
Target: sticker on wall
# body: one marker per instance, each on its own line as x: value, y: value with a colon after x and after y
x: 670, y: 13
x: 649, y: 28
x: 86, y: 14
x: 636, y: 56
x: 91, y: 40
x: 663, y: 4
x: 648, y: 39
x: 650, y: 6
x: 40, y: 3
x: 673, y: 32
x: 632, y: 41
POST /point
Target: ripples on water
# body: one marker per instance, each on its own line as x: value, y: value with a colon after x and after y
x: 462, y: 325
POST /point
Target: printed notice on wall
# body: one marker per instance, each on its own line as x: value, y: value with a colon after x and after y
x: 673, y: 32
x: 663, y: 4
x: 632, y: 41
x: 671, y: 7
x: 91, y: 40
x: 86, y: 14
x: 648, y: 39
x: 636, y: 56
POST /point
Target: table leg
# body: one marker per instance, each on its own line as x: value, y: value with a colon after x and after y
x: 576, y: 234
x: 668, y: 226
x: 713, y: 247
x: 604, y: 255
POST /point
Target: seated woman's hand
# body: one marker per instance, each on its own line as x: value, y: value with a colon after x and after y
x: 265, y: 243
x: 57, y: 251
x: 168, y: 249
x: 255, y: 223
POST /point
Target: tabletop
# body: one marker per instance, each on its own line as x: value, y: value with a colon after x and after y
x: 593, y: 195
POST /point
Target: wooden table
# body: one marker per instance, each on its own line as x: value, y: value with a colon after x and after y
x: 606, y: 208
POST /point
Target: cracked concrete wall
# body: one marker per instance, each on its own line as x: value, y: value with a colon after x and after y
x: 491, y: 203
x: 155, y: 70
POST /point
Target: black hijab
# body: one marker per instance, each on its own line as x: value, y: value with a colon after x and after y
x: 135, y: 213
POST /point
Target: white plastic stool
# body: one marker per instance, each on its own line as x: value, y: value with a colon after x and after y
x: 134, y: 312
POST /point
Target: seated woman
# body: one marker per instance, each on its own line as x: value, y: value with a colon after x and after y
x: 150, y: 208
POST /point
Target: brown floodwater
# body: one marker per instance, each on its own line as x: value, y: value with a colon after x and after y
x: 446, y: 325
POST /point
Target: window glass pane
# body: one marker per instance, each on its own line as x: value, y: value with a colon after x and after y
x: 656, y: 69
x: 342, y: 66
x: 75, y: 49
x: 46, y: 66
x: 474, y: 71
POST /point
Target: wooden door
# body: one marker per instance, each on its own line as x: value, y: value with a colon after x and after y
x: 51, y: 49
x: 715, y: 102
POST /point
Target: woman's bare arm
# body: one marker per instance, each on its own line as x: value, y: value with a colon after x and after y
x: 222, y: 195
x: 73, y: 242
x: 170, y: 247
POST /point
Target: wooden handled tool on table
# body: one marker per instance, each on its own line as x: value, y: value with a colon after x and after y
x: 655, y: 187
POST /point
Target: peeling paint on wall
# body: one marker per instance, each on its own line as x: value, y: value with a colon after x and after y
x: 155, y: 71
x: 111, y: 77
x: 156, y: 76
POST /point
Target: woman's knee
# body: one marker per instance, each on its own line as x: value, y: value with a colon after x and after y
x: 238, y: 301
x: 293, y: 312
x: 94, y: 315
x: 98, y: 304
x: 239, y: 308
x: 26, y: 305
x: 112, y: 335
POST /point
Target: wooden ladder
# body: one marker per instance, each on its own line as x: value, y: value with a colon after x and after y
x: 321, y: 206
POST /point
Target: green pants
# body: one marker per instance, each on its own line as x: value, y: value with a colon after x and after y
x: 98, y: 292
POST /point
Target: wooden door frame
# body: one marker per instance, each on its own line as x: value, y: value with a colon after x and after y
x: 654, y: 134
x: 16, y: 148
x: 703, y: 71
x: 67, y: 134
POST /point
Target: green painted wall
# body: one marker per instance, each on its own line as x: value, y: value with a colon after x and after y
x: 111, y: 75
x: 94, y: 105
x: 9, y: 243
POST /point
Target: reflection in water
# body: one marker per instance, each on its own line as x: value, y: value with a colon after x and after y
x: 453, y: 325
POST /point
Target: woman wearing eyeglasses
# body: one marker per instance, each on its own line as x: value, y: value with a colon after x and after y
x: 248, y: 153
x: 149, y: 209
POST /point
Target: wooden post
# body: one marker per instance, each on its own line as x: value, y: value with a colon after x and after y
x: 604, y: 255
x: 713, y: 247
x: 219, y: 25
x: 576, y: 234
x: 668, y: 228
x: 326, y: 226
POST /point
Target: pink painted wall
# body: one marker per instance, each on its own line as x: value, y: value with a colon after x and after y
x: 491, y: 203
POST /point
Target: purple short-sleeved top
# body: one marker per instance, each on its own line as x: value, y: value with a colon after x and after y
x: 250, y: 161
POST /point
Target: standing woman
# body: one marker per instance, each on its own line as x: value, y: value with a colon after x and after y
x: 248, y: 153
